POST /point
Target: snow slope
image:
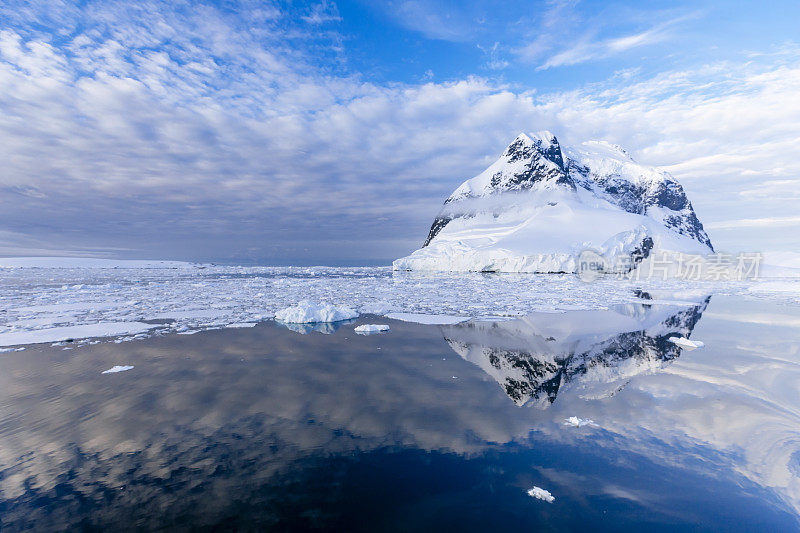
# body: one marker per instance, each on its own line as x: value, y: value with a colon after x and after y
x: 538, y: 207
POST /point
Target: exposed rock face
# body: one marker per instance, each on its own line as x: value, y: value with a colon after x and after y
x: 534, y: 173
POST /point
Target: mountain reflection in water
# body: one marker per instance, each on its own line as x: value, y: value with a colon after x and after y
x: 596, y: 352
x: 264, y: 428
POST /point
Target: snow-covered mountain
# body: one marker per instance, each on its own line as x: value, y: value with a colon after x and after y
x: 593, y: 353
x: 539, y: 206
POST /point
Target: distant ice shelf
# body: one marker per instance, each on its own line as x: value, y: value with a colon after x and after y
x: 88, y: 262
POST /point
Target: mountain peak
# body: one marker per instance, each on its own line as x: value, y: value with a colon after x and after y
x: 544, y: 138
x: 630, y: 208
x: 523, y: 138
x: 524, y: 146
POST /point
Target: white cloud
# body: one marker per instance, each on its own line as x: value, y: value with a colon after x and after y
x: 322, y: 13
x: 432, y: 20
x: 495, y: 61
x: 555, y: 23
x: 564, y: 36
x: 588, y: 49
x: 767, y: 222
x: 205, y: 139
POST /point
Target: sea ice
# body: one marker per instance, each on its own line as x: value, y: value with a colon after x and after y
x: 368, y: 329
x: 101, y: 329
x: 117, y: 368
x: 541, y: 494
x: 686, y: 343
x: 422, y: 318
x: 161, y: 299
x: 306, y: 312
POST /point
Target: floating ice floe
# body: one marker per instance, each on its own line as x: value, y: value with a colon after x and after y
x: 306, y: 312
x: 576, y: 422
x: 241, y: 325
x: 541, y: 494
x: 422, y: 318
x: 117, y: 368
x: 686, y: 343
x: 369, y: 329
x: 84, y: 331
x: 4, y: 350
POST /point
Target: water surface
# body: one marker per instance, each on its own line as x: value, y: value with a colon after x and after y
x: 424, y: 427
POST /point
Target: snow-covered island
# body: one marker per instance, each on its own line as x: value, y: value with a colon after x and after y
x: 540, y: 206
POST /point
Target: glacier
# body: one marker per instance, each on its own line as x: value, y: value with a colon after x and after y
x: 539, y: 207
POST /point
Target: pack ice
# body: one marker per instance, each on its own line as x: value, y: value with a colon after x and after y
x: 539, y: 207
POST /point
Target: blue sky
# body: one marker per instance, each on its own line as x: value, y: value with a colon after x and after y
x: 330, y: 132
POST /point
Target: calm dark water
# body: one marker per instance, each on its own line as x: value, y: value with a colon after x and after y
x: 422, y: 428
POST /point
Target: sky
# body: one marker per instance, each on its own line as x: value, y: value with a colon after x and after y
x: 331, y: 132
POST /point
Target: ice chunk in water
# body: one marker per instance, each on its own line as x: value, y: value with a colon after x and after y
x: 368, y: 329
x: 307, y: 312
x: 574, y: 421
x: 117, y: 368
x: 541, y: 494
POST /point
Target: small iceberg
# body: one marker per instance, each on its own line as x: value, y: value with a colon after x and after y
x: 541, y: 494
x: 576, y: 422
x: 369, y: 329
x: 117, y: 368
x: 686, y: 343
x: 307, y: 312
